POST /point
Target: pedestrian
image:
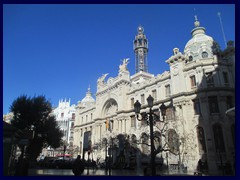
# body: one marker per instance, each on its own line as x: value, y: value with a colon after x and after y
x: 21, y: 168
x: 199, y: 167
x: 78, y: 166
x: 25, y: 166
x: 18, y: 163
x: 94, y: 165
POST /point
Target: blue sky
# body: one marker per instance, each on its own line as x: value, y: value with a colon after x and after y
x: 59, y: 50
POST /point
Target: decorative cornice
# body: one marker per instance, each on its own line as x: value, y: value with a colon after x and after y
x: 194, y: 65
x: 175, y: 59
x: 157, y: 79
x: 113, y: 87
x: 84, y: 124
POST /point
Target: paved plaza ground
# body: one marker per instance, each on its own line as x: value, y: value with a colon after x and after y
x: 90, y: 172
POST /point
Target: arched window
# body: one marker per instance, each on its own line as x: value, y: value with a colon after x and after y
x: 157, y: 139
x: 190, y: 58
x: 201, y: 140
x: 173, y: 141
x: 145, y: 143
x: 134, y: 141
x: 218, y: 138
x: 204, y: 54
x: 121, y: 140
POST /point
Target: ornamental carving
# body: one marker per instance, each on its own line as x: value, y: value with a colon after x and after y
x: 111, y: 108
x: 123, y: 66
x: 100, y: 80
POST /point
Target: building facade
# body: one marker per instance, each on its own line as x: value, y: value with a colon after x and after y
x: 65, y: 117
x: 197, y: 90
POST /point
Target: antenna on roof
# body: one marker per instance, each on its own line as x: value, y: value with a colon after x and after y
x: 224, y: 38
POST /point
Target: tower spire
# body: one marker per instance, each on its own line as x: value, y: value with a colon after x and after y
x: 141, y: 50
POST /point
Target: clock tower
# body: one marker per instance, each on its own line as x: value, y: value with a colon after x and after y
x: 141, y: 50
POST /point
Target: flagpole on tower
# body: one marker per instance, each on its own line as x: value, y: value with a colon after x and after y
x: 224, y: 38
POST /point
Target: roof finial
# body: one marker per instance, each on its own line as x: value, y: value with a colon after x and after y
x: 89, y: 88
x: 140, y: 29
x: 196, y: 23
x: 195, y: 17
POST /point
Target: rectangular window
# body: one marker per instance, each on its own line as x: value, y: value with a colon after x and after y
x: 193, y: 81
x: 167, y: 90
x: 62, y: 114
x: 196, y: 106
x: 154, y: 95
x: 213, y: 104
x: 209, y: 79
x: 229, y: 102
x: 133, y: 121
x: 81, y: 132
x: 91, y: 116
x: 73, y: 115
x: 169, y: 114
x: 142, y: 99
x: 225, y: 78
x: 132, y: 102
x: 86, y: 118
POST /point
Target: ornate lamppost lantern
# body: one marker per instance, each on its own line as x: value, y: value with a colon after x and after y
x: 149, y: 116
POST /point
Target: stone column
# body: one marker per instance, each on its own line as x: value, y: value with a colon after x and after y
x: 100, y: 131
x: 96, y: 132
x: 125, y: 125
x: 121, y: 126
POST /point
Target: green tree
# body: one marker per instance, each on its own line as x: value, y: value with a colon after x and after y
x: 35, y: 114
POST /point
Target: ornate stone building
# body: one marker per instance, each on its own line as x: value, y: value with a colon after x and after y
x: 197, y: 91
x: 65, y: 118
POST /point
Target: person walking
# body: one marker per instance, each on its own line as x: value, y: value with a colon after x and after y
x: 78, y: 166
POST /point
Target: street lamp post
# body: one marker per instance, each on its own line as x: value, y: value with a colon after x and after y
x: 64, y: 150
x: 149, y: 116
x: 167, y: 163
x: 88, y: 162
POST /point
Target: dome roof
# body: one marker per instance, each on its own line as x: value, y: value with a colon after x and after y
x: 88, y: 98
x: 199, y: 40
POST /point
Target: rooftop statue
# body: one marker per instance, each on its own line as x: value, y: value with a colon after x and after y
x: 123, y: 66
x: 100, y: 80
